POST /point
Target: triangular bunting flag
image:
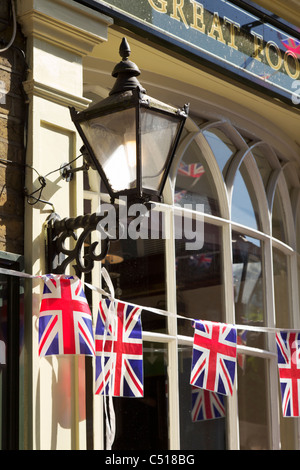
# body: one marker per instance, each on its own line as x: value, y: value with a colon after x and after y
x: 288, y: 353
x: 119, y: 350
x: 214, y: 357
x: 65, y: 320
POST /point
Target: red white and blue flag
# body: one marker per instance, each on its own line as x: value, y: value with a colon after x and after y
x: 214, y: 357
x: 288, y: 353
x: 179, y: 195
x: 292, y: 45
x: 206, y: 405
x: 119, y: 350
x: 193, y: 170
x: 65, y: 320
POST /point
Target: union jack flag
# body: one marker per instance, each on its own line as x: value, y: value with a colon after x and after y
x: 206, y: 405
x: 288, y: 353
x: 119, y: 350
x: 214, y: 357
x: 65, y: 320
x: 179, y: 195
x: 201, y: 260
x: 194, y: 170
x: 292, y: 45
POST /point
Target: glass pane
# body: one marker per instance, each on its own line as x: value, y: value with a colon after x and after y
x: 158, y: 132
x: 199, y: 278
x: 113, y: 139
x: 253, y: 404
x: 281, y: 289
x: 278, y: 218
x: 194, y: 182
x: 142, y: 423
x: 136, y: 264
x: 288, y: 433
x: 244, y: 208
x: 199, y: 429
x: 263, y: 165
x: 248, y: 286
x: 222, y: 147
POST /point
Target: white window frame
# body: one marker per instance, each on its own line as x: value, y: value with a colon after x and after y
x: 224, y: 191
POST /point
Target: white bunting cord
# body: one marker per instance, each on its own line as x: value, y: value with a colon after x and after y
x: 259, y: 329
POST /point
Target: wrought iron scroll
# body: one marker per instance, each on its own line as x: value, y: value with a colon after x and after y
x: 80, y: 251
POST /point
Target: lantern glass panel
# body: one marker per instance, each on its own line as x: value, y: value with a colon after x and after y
x: 113, y: 140
x: 158, y: 132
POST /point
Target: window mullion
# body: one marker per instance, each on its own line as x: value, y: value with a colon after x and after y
x: 173, y: 381
x: 271, y: 322
x: 232, y: 420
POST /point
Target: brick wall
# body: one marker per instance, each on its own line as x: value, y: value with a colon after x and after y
x: 12, y: 124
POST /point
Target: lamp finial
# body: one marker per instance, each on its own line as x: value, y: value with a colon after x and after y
x: 124, y: 50
x: 126, y: 72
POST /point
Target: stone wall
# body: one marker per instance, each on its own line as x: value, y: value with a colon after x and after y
x: 12, y: 133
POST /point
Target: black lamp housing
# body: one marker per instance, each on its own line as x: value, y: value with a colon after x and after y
x: 130, y: 137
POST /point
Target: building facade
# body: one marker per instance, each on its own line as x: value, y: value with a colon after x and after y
x: 227, y: 248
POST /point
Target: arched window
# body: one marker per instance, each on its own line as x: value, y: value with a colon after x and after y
x: 244, y: 178
x: 223, y: 249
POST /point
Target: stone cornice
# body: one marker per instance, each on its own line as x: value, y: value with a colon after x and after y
x: 34, y: 88
x: 63, y: 23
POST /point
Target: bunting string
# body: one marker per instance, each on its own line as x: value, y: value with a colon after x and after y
x: 166, y: 313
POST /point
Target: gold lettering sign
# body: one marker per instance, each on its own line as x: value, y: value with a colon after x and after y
x: 159, y: 5
x: 224, y: 34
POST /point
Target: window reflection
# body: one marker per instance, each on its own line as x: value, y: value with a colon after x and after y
x: 248, y: 285
x: 253, y: 404
x: 288, y: 432
x: 202, y: 434
x: 278, y: 218
x: 263, y: 165
x: 244, y: 208
x: 199, y: 279
x: 194, y: 182
x: 142, y: 423
x: 137, y: 270
x: 281, y: 289
x: 222, y: 148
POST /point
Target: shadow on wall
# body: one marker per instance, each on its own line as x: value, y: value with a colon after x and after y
x: 12, y: 131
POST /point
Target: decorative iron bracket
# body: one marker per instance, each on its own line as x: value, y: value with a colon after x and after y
x: 60, y: 231
x: 63, y: 247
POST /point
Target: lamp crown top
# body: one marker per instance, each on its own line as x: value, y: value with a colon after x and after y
x: 126, y: 71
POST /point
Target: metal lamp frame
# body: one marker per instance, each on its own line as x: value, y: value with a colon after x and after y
x: 127, y: 93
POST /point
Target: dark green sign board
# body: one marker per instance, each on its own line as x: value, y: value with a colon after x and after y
x: 224, y: 34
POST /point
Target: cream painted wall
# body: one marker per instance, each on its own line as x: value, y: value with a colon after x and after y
x: 59, y: 33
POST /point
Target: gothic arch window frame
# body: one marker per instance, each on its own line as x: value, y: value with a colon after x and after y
x: 224, y: 191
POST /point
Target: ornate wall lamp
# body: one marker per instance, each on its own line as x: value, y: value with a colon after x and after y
x: 130, y: 139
